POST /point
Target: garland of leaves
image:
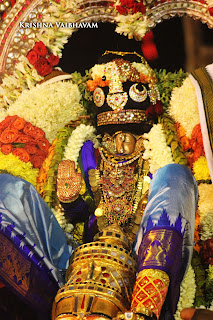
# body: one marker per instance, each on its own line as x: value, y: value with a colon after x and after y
x: 166, y: 82
x: 199, y: 280
x: 172, y: 139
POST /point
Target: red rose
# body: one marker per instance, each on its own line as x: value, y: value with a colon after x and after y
x: 37, y: 161
x: 33, y: 131
x: 21, y: 154
x: 22, y: 138
x: 41, y: 153
x: 138, y: 7
x: 43, y: 144
x: 7, y: 122
x: 31, y: 148
x: 43, y: 67
x: 158, y: 108
x: 9, y: 135
x: 127, y: 3
x: 53, y: 60
x: 6, y: 149
x: 150, y: 112
x: 40, y: 49
x: 32, y: 56
x: 19, y: 123
x: 122, y: 10
x: 211, y: 11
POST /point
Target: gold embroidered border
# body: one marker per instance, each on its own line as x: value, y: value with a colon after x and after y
x: 14, y: 266
x: 206, y: 86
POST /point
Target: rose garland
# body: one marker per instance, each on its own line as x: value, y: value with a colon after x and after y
x: 157, y: 151
x: 55, y: 105
x: 23, y: 140
x: 187, y: 292
x: 42, y: 59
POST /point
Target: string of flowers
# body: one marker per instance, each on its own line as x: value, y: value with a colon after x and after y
x: 13, y: 165
x: 187, y: 292
x: 23, y: 77
x: 201, y: 170
x: 205, y: 205
x: 55, y: 38
x: 81, y: 134
x: 23, y: 140
x: 130, y: 19
x: 209, y: 287
x: 183, y: 106
x: 156, y: 150
x: 55, y: 105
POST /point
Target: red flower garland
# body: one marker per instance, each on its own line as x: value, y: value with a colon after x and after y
x: 42, y: 60
x: 23, y: 140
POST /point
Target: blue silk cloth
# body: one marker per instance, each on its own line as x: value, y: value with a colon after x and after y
x: 166, y: 235
x: 34, y: 251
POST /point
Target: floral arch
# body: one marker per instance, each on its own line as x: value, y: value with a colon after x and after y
x: 131, y: 21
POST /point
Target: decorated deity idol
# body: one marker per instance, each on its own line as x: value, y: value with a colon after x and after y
x: 139, y: 240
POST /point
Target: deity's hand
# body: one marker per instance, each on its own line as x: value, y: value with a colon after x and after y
x: 69, y: 182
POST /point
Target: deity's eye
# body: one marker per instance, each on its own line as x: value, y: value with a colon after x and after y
x: 136, y: 95
x: 98, y: 97
x: 104, y: 78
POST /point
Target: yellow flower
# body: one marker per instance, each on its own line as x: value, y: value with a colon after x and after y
x: 12, y: 165
x: 201, y: 170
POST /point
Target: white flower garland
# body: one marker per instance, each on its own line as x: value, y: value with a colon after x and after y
x: 24, y: 77
x: 156, y: 149
x: 205, y: 206
x: 132, y: 25
x: 187, y: 292
x: 49, y: 107
x: 81, y: 134
x: 183, y: 106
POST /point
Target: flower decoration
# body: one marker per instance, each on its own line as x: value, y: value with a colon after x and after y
x: 13, y: 165
x: 42, y: 60
x: 184, y: 108
x: 56, y: 104
x: 23, y: 140
x: 200, y: 169
x: 81, y: 134
x: 187, y: 293
x: 156, y: 150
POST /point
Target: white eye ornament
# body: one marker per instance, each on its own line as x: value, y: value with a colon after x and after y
x: 136, y: 95
x: 98, y: 97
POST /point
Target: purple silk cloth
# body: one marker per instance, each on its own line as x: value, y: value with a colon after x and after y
x: 34, y: 251
x: 166, y: 235
x: 88, y: 160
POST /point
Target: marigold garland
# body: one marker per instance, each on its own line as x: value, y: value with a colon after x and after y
x: 13, y: 165
x: 201, y: 170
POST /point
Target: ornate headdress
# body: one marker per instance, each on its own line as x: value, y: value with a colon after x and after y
x: 123, y: 86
